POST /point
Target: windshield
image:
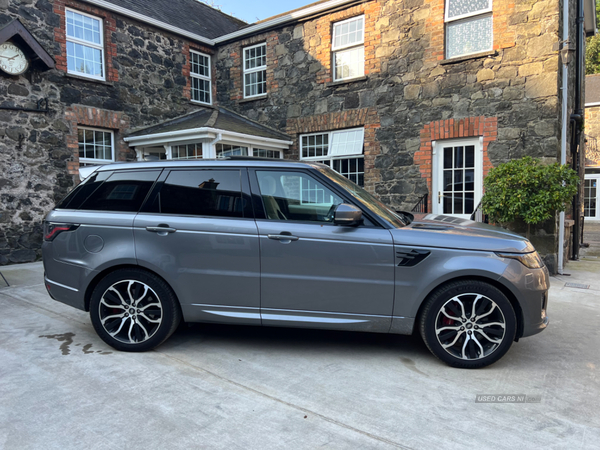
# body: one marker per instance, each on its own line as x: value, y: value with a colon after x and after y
x: 364, y: 197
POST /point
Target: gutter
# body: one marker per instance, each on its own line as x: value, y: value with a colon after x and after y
x: 167, y: 136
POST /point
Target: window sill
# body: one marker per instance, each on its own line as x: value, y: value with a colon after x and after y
x: 93, y: 80
x: 251, y: 99
x: 349, y: 80
x: 468, y: 57
x: 206, y: 105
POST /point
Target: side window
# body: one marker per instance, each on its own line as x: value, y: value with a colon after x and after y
x: 122, y: 191
x: 296, y: 196
x: 78, y: 195
x: 202, y: 193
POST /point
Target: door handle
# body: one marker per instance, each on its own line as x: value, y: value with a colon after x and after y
x: 283, y: 237
x: 162, y: 229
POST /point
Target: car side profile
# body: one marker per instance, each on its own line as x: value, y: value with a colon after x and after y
x: 142, y: 246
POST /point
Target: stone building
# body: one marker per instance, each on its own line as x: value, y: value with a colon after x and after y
x: 414, y: 99
x: 592, y: 153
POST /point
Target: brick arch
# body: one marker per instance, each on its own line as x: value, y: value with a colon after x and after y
x: 481, y: 126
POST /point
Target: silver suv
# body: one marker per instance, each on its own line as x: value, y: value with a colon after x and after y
x: 142, y: 246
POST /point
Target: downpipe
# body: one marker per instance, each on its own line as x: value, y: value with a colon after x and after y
x: 563, y: 136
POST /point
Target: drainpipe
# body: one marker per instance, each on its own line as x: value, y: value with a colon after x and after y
x: 579, y: 122
x: 563, y: 134
x: 211, y: 145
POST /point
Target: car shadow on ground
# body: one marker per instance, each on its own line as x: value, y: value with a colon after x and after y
x: 295, y: 340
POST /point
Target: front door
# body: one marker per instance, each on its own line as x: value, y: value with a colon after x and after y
x: 316, y: 274
x: 457, y: 177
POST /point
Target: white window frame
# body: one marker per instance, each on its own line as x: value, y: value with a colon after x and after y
x: 97, y: 161
x: 197, y: 146
x: 254, y: 69
x: 330, y: 158
x: 348, y: 47
x: 201, y: 77
x: 86, y: 44
x: 438, y: 172
x: 465, y: 18
x: 593, y: 177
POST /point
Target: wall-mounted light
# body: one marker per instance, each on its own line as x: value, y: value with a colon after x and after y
x: 567, y: 52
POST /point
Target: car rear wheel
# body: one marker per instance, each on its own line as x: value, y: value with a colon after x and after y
x: 468, y: 324
x: 134, y: 310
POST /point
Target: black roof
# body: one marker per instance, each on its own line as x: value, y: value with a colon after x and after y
x: 189, y: 15
x: 219, y: 118
x: 592, y: 88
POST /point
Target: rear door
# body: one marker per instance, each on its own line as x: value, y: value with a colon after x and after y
x: 198, y: 231
x: 314, y: 273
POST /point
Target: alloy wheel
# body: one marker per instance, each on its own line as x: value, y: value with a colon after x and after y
x: 470, y: 326
x: 130, y: 311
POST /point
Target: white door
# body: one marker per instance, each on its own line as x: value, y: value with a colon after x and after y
x: 457, y: 176
x: 590, y: 197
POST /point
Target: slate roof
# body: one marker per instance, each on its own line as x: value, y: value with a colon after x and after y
x: 219, y: 118
x: 189, y: 15
x: 592, y: 88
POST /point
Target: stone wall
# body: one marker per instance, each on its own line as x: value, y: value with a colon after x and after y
x: 410, y: 87
x: 592, y: 131
x: 147, y: 82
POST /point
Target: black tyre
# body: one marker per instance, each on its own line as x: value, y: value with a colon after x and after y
x: 468, y: 324
x: 133, y: 310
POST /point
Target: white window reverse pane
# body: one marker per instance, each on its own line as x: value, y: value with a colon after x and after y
x: 263, y: 153
x: 255, y: 83
x: 188, y: 151
x: 83, y: 59
x: 83, y: 27
x: 224, y: 150
x: 200, y: 64
x: 255, y: 57
x: 346, y: 143
x: 469, y: 36
x: 458, y: 8
x: 349, y: 63
x: 200, y: 90
x: 95, y: 144
x: 315, y: 145
x: 348, y: 33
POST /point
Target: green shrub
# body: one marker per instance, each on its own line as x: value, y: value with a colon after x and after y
x: 529, y: 190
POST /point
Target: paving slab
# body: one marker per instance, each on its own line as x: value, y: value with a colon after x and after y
x: 213, y: 386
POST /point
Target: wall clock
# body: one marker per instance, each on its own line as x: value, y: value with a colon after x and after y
x: 12, y: 59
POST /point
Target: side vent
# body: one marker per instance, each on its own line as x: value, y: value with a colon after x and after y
x: 410, y: 258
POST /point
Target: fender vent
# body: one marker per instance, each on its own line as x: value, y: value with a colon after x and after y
x: 410, y: 258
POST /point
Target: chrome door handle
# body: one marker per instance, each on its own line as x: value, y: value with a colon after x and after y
x: 163, y: 231
x: 283, y: 237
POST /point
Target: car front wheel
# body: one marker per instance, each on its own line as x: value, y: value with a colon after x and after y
x: 468, y: 324
x: 134, y: 310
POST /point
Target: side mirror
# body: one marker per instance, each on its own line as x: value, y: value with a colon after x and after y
x: 347, y: 215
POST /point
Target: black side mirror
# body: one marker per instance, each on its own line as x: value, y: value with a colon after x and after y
x: 347, y: 215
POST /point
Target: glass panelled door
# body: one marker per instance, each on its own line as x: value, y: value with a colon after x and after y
x: 590, y: 198
x: 458, y: 177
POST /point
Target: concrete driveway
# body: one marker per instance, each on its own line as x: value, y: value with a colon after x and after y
x: 240, y: 387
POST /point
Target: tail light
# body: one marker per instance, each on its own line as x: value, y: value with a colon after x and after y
x: 53, y: 229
